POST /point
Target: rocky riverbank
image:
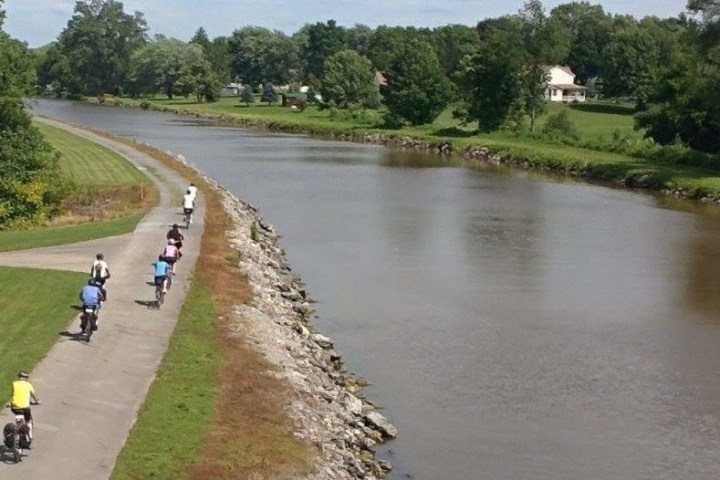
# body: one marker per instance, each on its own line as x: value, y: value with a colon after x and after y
x: 327, y: 405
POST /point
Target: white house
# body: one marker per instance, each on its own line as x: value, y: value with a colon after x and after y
x: 561, y: 86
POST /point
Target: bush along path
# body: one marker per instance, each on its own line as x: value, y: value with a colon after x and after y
x: 91, y: 392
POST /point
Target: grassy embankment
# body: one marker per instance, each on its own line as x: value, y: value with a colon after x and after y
x: 213, y: 411
x: 109, y: 195
x: 37, y: 304
x: 609, y: 148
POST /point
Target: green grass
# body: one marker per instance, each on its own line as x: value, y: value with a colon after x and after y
x: 178, y: 410
x: 90, y: 164
x: 36, y: 306
x: 47, y: 237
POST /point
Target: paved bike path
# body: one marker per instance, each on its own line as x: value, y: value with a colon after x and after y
x: 91, y: 392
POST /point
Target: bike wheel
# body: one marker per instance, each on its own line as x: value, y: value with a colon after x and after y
x: 169, y: 280
x: 89, y: 328
x: 159, y: 295
x: 187, y: 222
x: 16, y: 455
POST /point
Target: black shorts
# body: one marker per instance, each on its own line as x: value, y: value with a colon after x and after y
x: 159, y: 280
x: 188, y: 211
x: 100, y: 280
x: 22, y: 411
x: 170, y: 260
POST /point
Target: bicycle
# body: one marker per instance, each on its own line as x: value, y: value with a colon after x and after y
x: 16, y: 436
x: 160, y: 292
x: 88, y: 320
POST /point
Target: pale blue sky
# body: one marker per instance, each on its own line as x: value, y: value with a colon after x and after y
x: 40, y: 21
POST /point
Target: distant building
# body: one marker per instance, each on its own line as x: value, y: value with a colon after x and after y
x: 561, y: 86
x: 380, y: 79
x: 232, y: 89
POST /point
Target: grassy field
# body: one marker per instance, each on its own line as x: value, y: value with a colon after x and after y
x: 110, y: 197
x: 47, y: 237
x: 36, y: 306
x: 90, y: 164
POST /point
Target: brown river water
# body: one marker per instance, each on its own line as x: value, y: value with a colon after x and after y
x: 514, y: 326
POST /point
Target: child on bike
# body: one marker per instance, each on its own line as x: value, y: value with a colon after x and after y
x: 23, y: 395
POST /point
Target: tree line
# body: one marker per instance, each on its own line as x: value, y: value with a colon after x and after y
x: 492, y: 74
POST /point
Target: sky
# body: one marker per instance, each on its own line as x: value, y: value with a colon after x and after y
x: 39, y: 22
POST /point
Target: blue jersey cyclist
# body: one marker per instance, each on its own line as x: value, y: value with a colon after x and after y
x: 162, y: 269
x: 91, y: 294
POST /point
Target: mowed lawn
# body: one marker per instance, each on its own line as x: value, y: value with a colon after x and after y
x: 93, y: 168
x: 36, y: 306
x: 90, y: 164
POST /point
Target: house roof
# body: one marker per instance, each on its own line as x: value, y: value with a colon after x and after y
x: 566, y: 86
x: 564, y: 68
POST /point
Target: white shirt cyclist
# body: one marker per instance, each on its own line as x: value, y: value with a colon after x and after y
x: 188, y: 201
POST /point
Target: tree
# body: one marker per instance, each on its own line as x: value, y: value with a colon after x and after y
x: 589, y: 29
x: 491, y: 80
x: 453, y: 43
x: 269, y: 94
x: 259, y: 55
x: 417, y: 90
x: 546, y: 43
x: 381, y: 51
x: 349, y: 80
x: 247, y: 96
x: 634, y: 57
x: 29, y: 186
x: 359, y: 38
x: 171, y: 66
x: 98, y: 42
x: 17, y: 67
x: 322, y: 41
x: 682, y: 103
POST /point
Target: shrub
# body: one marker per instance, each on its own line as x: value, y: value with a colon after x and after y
x: 559, y: 125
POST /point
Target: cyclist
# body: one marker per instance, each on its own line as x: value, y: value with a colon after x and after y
x: 188, y: 204
x: 100, y: 272
x: 91, y: 295
x: 171, y: 254
x: 174, y: 234
x: 192, y: 190
x: 23, y: 395
x: 162, y: 269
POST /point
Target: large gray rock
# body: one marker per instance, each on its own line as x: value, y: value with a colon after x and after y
x: 381, y: 423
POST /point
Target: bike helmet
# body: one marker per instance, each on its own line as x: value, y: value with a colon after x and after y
x: 175, y: 226
x: 171, y: 241
x: 23, y: 374
x: 99, y: 256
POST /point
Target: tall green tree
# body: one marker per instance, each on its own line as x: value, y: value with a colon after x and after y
x: 492, y: 79
x: 98, y: 42
x: 29, y: 186
x: 168, y: 65
x: 684, y: 101
x: 349, y: 81
x: 417, y: 89
x: 453, y: 43
x: 589, y: 29
x: 546, y: 42
x: 322, y: 40
x: 635, y: 56
x: 262, y: 55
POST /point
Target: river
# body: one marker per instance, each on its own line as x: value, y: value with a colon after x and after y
x: 513, y: 326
